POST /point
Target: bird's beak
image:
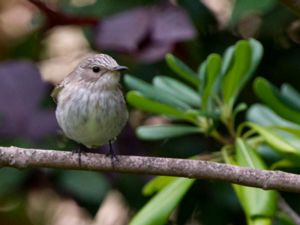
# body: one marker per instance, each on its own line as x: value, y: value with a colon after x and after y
x: 120, y: 68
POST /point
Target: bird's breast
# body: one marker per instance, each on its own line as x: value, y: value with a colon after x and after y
x: 91, y: 117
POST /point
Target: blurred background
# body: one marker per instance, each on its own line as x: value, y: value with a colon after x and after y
x: 42, y: 41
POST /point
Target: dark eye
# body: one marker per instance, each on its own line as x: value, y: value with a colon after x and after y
x: 96, y: 69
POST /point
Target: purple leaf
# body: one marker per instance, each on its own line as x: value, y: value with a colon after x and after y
x: 171, y: 24
x: 147, y: 33
x: 154, y: 51
x: 123, y: 31
x: 21, y: 91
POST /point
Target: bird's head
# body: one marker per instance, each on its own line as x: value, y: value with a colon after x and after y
x: 101, y: 68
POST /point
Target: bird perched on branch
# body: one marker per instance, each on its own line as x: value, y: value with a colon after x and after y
x: 91, y: 109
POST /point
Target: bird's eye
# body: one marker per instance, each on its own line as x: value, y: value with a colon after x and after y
x: 96, y: 69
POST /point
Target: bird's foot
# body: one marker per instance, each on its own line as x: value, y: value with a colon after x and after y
x: 81, y: 150
x: 114, y: 158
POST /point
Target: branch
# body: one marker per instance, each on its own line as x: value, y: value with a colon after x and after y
x: 293, y: 5
x: 56, y: 18
x: 199, y: 169
x: 284, y: 207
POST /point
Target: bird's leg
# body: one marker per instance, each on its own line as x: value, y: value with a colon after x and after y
x: 111, y: 153
x: 81, y: 149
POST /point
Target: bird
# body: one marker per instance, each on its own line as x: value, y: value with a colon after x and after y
x: 91, y: 109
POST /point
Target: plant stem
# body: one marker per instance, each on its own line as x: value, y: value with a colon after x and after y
x: 216, y: 135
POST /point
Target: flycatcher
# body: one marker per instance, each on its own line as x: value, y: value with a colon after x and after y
x: 91, y: 109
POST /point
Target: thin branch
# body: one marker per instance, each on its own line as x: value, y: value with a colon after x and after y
x: 293, y: 5
x: 199, y: 169
x: 284, y: 207
x: 55, y: 17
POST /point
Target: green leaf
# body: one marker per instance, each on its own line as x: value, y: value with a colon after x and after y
x: 284, y: 164
x: 86, y: 185
x: 290, y: 135
x: 274, y: 140
x: 178, y: 90
x: 160, y: 207
x: 271, y: 96
x: 238, y: 66
x: 139, y: 101
x: 227, y: 60
x: 157, y: 132
x: 257, y: 53
x: 101, y: 7
x: 213, y: 66
x: 156, y: 184
x: 259, y: 205
x: 238, y: 72
x: 292, y: 130
x: 263, y: 115
x: 202, y: 72
x: 246, y: 156
x: 291, y: 96
x: 182, y: 70
x: 239, y: 108
x: 283, y: 219
x: 154, y: 93
x: 243, y: 8
x: 11, y: 180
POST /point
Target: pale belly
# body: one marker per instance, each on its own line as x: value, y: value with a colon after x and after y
x: 90, y: 120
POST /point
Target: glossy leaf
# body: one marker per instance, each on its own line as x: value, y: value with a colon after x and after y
x: 227, y: 59
x: 178, y: 90
x: 156, y: 184
x: 239, y: 108
x: 201, y: 75
x: 274, y: 140
x: 160, y: 207
x: 291, y: 96
x: 259, y: 205
x: 263, y: 115
x: 271, y: 96
x: 213, y: 66
x: 243, y: 8
x: 202, y: 71
x: 182, y: 70
x: 257, y: 51
x: 139, y: 101
x: 238, y: 66
x: 284, y: 163
x: 11, y: 180
x: 86, y: 185
x: 259, y: 202
x: 232, y: 81
x: 158, y: 132
x: 154, y: 93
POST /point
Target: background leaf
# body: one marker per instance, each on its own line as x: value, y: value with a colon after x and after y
x: 272, y: 97
x: 154, y: 93
x: 178, y: 89
x: 85, y: 185
x: 259, y: 205
x: 213, y: 66
x: 141, y: 102
x: 182, y: 70
x: 160, y: 207
x: 239, y: 67
x: 158, y: 132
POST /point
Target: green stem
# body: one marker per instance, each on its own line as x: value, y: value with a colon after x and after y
x: 216, y: 135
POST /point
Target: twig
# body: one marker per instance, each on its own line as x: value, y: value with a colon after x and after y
x: 199, y: 169
x: 293, y: 5
x: 55, y: 17
x: 284, y: 207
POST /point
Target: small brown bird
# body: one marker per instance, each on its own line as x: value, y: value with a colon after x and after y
x: 91, y: 109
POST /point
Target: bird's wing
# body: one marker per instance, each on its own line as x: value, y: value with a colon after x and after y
x: 56, y: 91
x: 61, y: 85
